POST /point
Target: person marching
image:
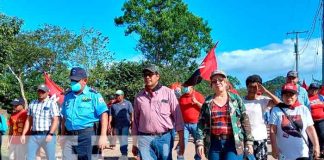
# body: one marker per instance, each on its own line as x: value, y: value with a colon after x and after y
x: 82, y: 108
x: 43, y: 117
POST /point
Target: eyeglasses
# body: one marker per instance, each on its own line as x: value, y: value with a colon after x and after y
x: 150, y: 74
x: 219, y: 80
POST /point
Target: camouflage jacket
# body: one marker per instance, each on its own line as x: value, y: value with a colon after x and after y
x: 239, y: 119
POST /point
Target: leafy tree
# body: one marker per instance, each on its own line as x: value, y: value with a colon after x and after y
x: 234, y: 81
x: 126, y: 76
x: 274, y: 84
x: 9, y: 28
x: 51, y: 49
x: 169, y: 33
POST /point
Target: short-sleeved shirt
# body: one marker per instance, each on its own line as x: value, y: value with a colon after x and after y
x: 121, y: 113
x: 42, y: 113
x: 190, y: 111
x: 83, y: 110
x: 289, y: 142
x: 256, y: 110
x: 16, y: 124
x: 157, y: 113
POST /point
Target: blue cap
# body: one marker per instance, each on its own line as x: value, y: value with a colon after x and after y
x: 314, y: 86
x: 17, y: 102
x: 78, y: 73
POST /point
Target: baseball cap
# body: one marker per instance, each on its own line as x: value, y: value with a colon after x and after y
x: 289, y: 87
x: 292, y: 74
x: 43, y: 87
x: 119, y: 92
x: 17, y: 101
x: 314, y: 86
x: 152, y: 68
x: 218, y: 72
x: 78, y: 73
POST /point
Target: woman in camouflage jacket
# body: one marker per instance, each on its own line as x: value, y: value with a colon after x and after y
x: 223, y: 130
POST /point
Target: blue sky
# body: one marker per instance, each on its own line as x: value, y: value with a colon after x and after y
x: 251, y: 33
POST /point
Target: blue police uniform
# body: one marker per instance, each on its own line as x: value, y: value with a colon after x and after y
x: 83, y: 110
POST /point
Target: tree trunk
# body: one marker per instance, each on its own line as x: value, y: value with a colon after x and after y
x: 21, y: 85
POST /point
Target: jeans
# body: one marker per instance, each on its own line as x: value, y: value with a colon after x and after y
x: 79, y: 146
x: 155, y: 147
x: 223, y: 150
x: 37, y: 141
x: 122, y: 134
x: 190, y: 128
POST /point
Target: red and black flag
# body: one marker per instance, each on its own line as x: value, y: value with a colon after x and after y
x: 208, y: 65
x: 56, y: 92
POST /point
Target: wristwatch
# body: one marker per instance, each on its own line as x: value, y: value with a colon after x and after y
x: 51, y: 134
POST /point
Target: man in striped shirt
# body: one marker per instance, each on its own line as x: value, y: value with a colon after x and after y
x: 43, y: 118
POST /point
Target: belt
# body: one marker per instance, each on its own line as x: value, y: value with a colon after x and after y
x: 155, y: 134
x: 39, y: 132
x: 77, y: 132
x: 222, y: 137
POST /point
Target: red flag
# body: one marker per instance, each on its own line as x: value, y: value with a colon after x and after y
x: 304, y: 85
x: 208, y: 65
x: 56, y: 92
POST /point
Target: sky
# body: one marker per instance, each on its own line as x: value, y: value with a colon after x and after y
x: 251, y: 33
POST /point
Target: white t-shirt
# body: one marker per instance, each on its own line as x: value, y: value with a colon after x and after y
x: 290, y: 144
x: 256, y: 109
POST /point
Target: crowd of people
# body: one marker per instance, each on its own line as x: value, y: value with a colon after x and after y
x: 224, y: 125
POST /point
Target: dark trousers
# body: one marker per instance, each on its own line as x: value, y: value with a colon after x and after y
x: 319, y: 127
x: 79, y: 146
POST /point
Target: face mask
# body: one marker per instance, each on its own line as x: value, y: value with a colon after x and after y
x: 75, y: 86
x: 186, y: 90
x: 177, y: 93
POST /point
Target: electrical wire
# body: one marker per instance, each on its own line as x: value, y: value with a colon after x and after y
x: 312, y: 29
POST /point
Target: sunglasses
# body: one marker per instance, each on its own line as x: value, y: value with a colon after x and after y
x: 219, y: 80
x: 150, y: 74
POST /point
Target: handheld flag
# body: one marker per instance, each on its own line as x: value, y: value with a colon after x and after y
x: 56, y: 92
x: 208, y: 65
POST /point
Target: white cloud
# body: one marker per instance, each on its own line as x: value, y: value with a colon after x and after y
x: 273, y: 60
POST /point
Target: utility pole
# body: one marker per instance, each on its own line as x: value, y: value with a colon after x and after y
x: 296, y: 46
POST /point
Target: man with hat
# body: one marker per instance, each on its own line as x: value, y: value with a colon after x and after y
x: 82, y: 109
x: 292, y: 77
x: 121, y: 114
x: 156, y: 114
x: 43, y: 117
x: 317, y: 110
x: 17, y: 150
x: 291, y: 124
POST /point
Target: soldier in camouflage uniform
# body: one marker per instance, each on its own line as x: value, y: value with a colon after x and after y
x: 223, y: 130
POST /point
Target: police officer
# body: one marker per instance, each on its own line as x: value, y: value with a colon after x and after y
x: 82, y: 108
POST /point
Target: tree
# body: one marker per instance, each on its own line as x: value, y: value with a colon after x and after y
x: 169, y: 33
x: 234, y: 81
x: 52, y: 49
x: 9, y: 28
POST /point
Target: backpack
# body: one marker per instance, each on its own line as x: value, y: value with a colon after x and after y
x: 3, y: 124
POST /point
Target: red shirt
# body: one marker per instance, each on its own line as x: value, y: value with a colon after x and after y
x: 190, y: 111
x: 16, y: 124
x: 221, y: 120
x: 317, y: 108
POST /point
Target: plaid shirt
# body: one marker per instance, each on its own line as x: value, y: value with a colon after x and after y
x: 239, y: 119
x: 42, y: 113
x: 221, y: 120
